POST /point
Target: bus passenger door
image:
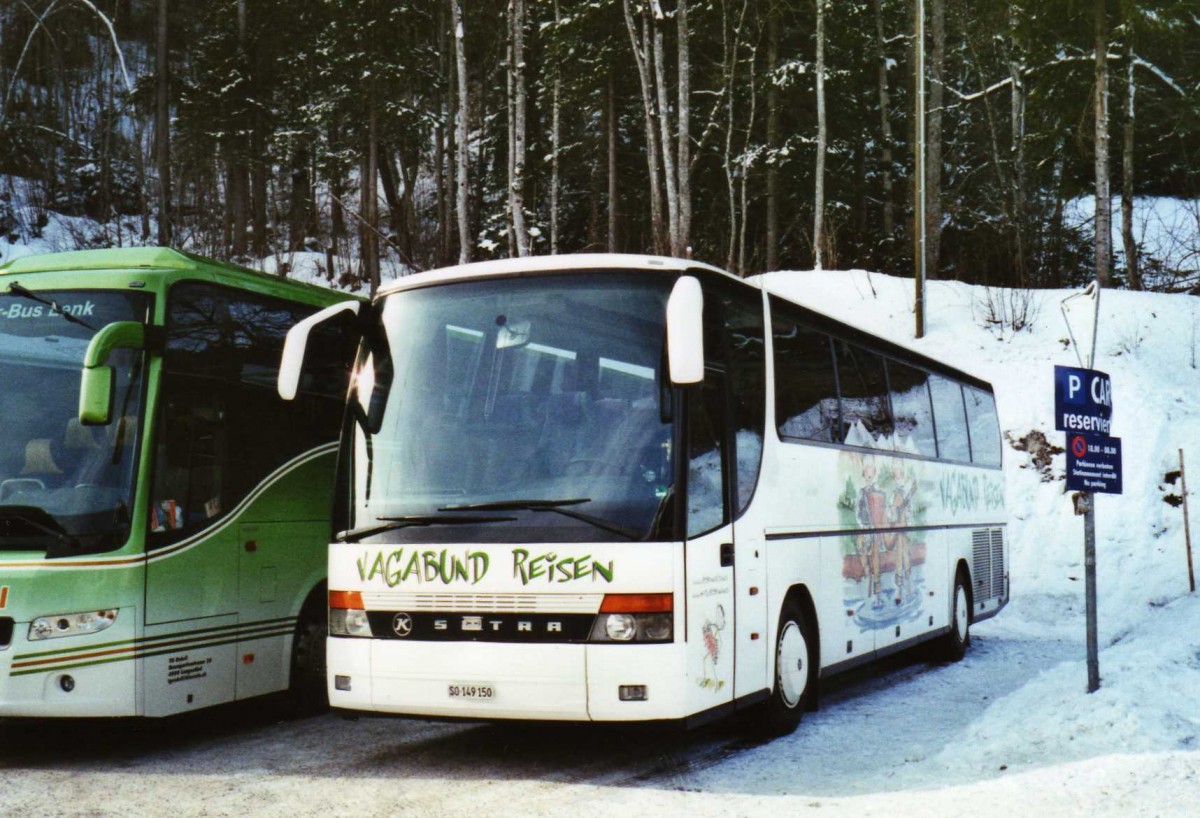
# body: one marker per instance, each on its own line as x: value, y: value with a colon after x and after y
x: 710, y: 614
x: 191, y: 566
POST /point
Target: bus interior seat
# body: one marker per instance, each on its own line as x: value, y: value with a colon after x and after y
x: 509, y: 444
x: 40, y: 459
x: 564, y: 415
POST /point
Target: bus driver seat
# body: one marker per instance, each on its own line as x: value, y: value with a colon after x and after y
x: 39, y: 465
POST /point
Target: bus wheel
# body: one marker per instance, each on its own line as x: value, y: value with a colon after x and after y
x: 308, y: 685
x: 794, y: 676
x: 953, y: 646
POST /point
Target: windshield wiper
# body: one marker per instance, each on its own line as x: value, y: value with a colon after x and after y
x: 555, y: 506
x: 17, y: 289
x: 38, y: 520
x: 393, y: 523
x: 516, y: 505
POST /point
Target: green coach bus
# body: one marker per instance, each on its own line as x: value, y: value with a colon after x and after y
x: 164, y: 515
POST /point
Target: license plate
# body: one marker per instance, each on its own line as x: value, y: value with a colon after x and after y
x: 471, y: 691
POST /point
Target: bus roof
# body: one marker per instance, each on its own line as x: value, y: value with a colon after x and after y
x: 547, y: 264
x: 535, y: 265
x: 161, y: 263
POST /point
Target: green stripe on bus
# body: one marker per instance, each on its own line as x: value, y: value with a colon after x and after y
x: 144, y: 654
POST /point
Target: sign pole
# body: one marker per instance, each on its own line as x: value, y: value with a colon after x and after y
x: 1187, y: 529
x: 1086, y: 501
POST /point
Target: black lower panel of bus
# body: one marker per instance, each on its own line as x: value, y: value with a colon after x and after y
x: 438, y: 626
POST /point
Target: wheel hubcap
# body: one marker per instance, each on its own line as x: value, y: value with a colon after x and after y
x: 960, y: 613
x: 791, y: 663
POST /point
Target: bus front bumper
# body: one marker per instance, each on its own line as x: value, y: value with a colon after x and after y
x: 476, y: 680
x: 73, y: 677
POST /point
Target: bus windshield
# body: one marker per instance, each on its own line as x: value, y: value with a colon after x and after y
x: 65, y: 488
x: 514, y: 410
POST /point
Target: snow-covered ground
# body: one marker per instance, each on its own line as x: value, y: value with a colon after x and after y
x: 1009, y: 729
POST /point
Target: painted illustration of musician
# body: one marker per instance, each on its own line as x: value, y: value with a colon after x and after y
x: 899, y: 511
x: 872, y: 513
x: 712, y: 649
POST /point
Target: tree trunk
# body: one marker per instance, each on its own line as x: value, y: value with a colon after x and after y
x: 300, y: 204
x: 611, y: 108
x: 730, y: 46
x: 743, y: 258
x: 258, y: 188
x: 162, y: 127
x: 1017, y: 151
x: 684, y: 131
x: 370, y: 199
x: 517, y: 185
x: 1103, y: 237
x: 933, y: 139
x: 1127, y: 171
x: 885, y: 135
x: 555, y: 134
x: 656, y: 22
x: 461, y: 181
x: 822, y: 138
x: 641, y: 59
x: 773, y: 138
x: 391, y: 193
x: 239, y: 198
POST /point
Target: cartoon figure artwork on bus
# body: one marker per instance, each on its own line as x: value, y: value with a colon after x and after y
x: 713, y: 627
x: 882, y: 565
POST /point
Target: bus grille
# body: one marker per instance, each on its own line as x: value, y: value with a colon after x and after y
x: 987, y: 563
x: 482, y: 603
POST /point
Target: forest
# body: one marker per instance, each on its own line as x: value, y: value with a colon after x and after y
x: 388, y: 137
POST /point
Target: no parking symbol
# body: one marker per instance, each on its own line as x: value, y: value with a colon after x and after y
x: 1094, y: 464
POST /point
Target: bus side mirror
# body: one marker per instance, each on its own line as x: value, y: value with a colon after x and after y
x: 685, y: 332
x: 292, y: 363
x: 97, y: 381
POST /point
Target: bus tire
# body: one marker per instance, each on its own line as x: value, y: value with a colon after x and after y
x: 953, y: 646
x: 308, y: 685
x: 795, y: 678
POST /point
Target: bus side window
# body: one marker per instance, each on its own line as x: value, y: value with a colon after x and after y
x: 191, y: 446
x: 984, y: 426
x: 866, y: 414
x: 912, y: 409
x: 806, y: 397
x: 950, y: 419
x: 189, y: 459
x: 706, y: 468
x: 747, y: 380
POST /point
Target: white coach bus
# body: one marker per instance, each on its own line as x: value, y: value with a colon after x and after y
x: 619, y: 488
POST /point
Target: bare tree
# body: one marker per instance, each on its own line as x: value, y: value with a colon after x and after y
x: 650, y: 114
x: 460, y: 61
x: 162, y: 127
x: 773, y: 137
x: 517, y: 131
x: 1127, y: 165
x: 555, y: 133
x: 885, y: 130
x: 684, y: 130
x: 933, y: 138
x: 822, y: 139
x: 611, y: 110
x: 1103, y: 238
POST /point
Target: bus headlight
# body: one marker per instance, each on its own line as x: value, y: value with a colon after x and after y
x: 634, y: 618
x: 347, y: 614
x: 348, y: 622
x: 72, y: 624
x: 621, y: 627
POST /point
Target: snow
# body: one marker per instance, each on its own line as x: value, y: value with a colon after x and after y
x: 1008, y: 729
